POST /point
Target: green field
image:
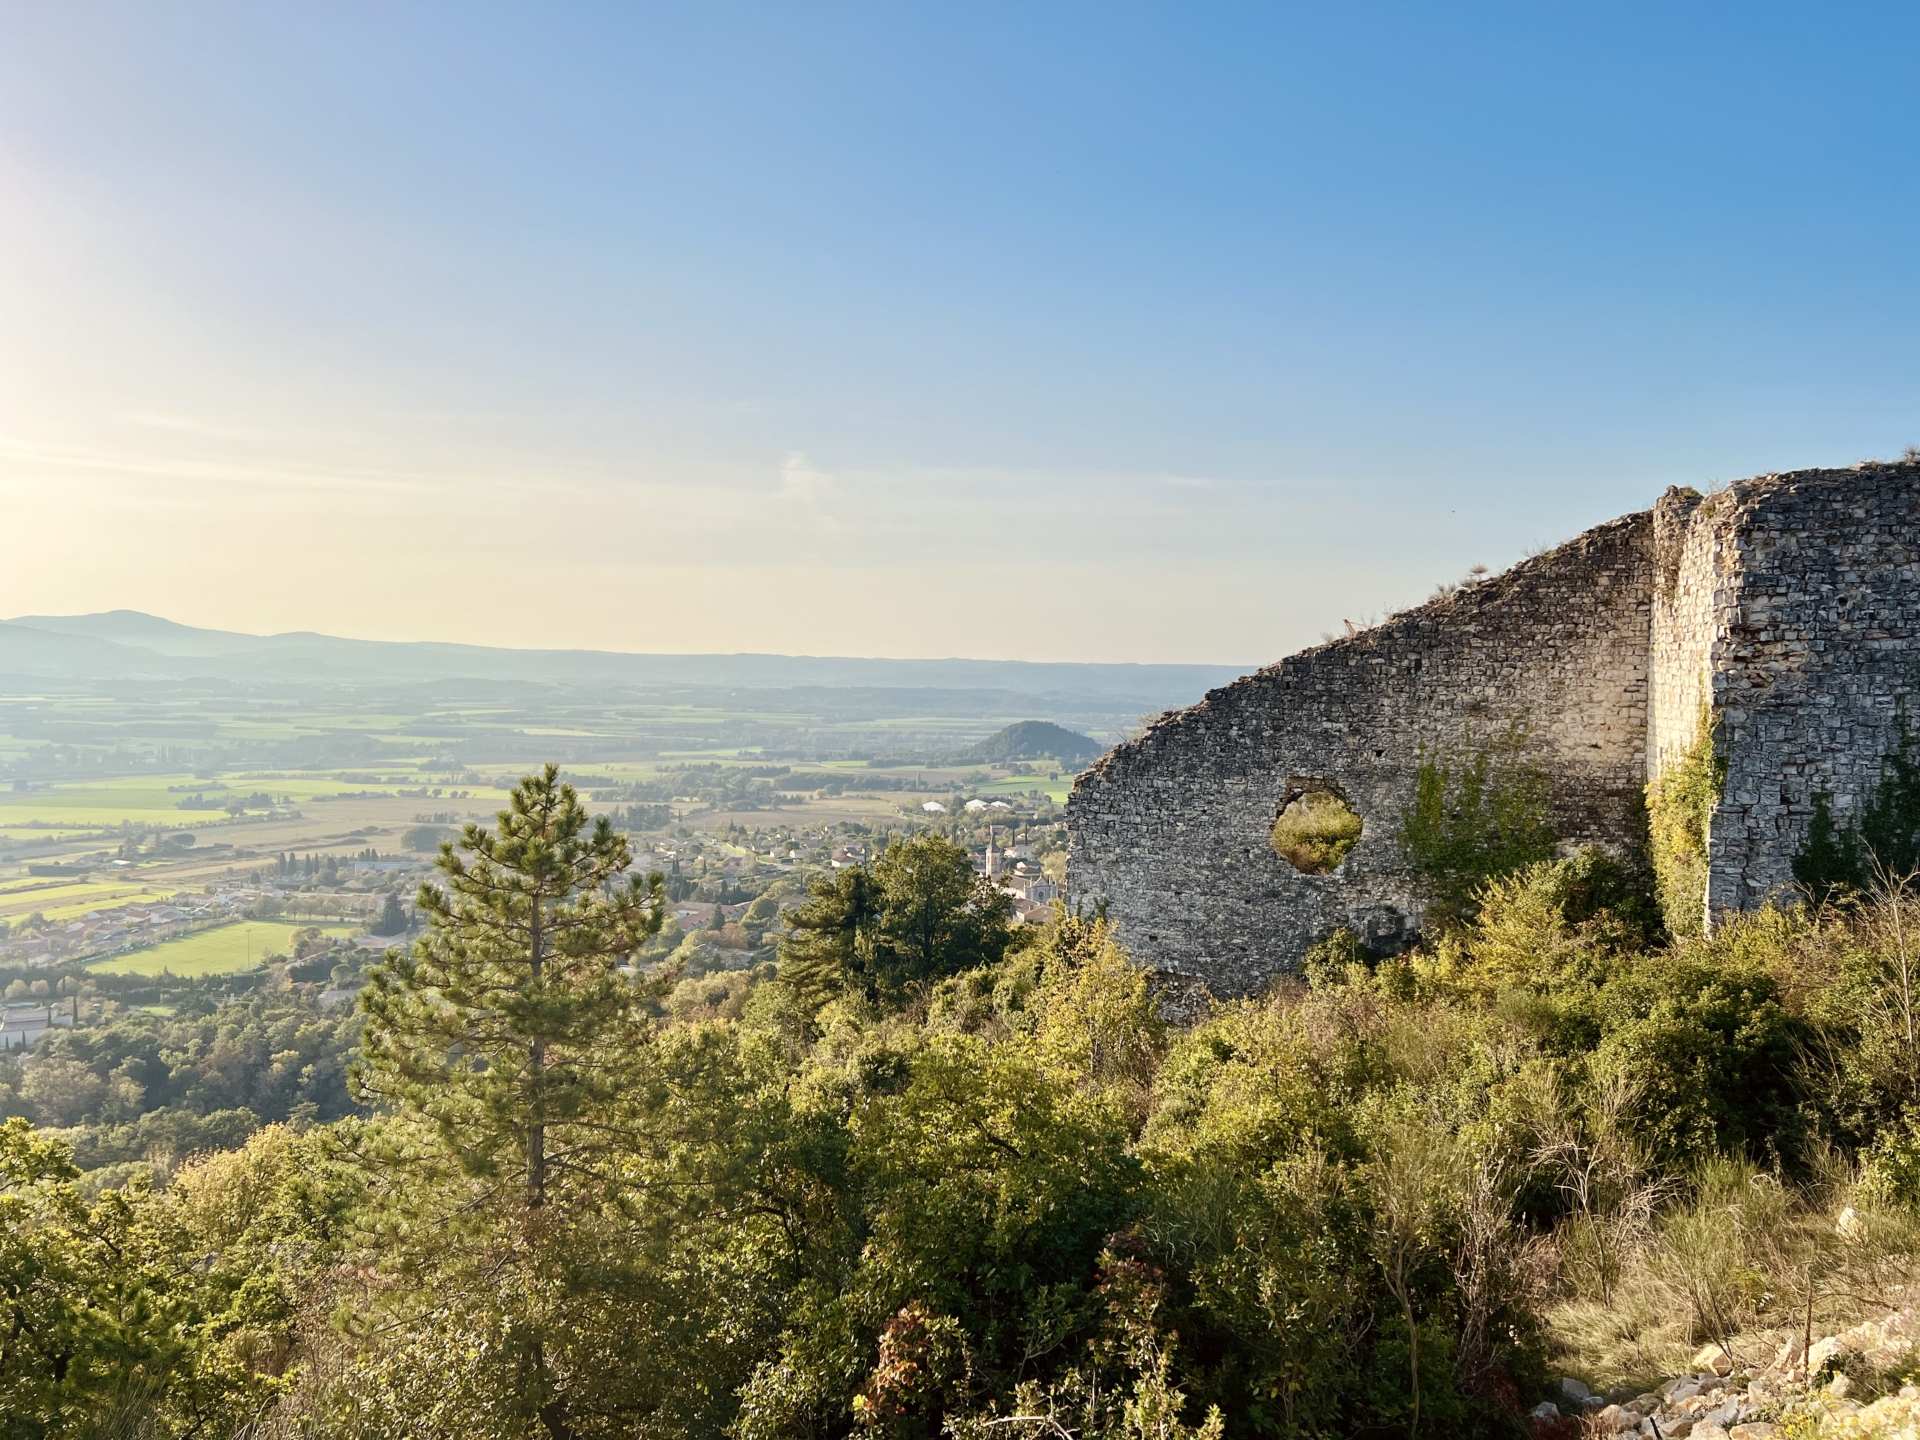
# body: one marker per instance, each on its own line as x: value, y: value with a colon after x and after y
x: 1055, y: 790
x: 144, y: 800
x: 60, y: 902
x: 55, y: 810
x: 265, y: 746
x: 224, y: 950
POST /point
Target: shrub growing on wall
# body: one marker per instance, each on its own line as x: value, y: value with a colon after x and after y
x: 1830, y: 860
x: 1890, y: 826
x: 1474, y: 818
x: 1887, y: 839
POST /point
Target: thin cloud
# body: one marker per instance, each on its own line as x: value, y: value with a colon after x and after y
x: 801, y: 479
x: 179, y: 424
x: 76, y: 457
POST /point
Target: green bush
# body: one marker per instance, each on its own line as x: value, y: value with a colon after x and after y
x: 954, y: 1178
x: 1474, y: 818
x: 1891, y: 1165
x: 1712, y: 1051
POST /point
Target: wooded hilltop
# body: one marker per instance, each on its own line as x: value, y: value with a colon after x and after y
x: 936, y: 1173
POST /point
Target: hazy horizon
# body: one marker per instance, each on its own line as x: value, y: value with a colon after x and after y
x: 628, y: 651
x: 1076, y: 335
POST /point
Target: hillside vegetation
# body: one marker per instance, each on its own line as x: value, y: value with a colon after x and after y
x: 938, y: 1174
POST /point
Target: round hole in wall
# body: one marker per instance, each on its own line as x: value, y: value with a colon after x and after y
x: 1315, y: 832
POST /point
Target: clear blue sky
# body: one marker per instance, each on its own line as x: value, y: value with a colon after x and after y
x: 1047, y: 331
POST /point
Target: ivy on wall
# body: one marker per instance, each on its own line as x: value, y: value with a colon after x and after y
x: 1475, y: 817
x: 1884, y: 845
x: 1680, y: 805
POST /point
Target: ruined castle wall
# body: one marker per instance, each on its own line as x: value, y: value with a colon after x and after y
x: 1788, y: 605
x: 1817, y: 659
x: 1694, y: 556
x: 1171, y: 831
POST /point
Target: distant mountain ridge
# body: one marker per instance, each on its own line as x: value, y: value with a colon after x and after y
x: 130, y: 644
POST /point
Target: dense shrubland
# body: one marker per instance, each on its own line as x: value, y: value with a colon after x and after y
x: 937, y: 1174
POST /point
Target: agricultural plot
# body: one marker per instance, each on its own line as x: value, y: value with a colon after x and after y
x: 340, y: 771
x: 225, y: 950
x: 63, y: 901
x: 1025, y: 785
x: 141, y: 800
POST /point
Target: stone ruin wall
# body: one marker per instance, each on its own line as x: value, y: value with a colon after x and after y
x: 1816, y: 658
x: 1172, y: 830
x: 1789, y: 603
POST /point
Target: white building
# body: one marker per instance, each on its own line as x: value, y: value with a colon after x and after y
x: 26, y: 1023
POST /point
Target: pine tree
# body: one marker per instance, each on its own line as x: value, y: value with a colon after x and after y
x: 831, y: 936
x: 509, y: 1026
x: 894, y: 927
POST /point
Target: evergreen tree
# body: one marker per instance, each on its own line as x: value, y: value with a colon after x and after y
x: 832, y: 933
x: 509, y: 1026
x: 393, y: 917
x: 937, y: 917
x: 892, y: 928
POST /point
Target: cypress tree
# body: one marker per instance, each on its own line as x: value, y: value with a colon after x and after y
x: 393, y: 917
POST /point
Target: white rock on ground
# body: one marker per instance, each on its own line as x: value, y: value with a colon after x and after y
x: 1714, y: 1359
x: 1706, y: 1404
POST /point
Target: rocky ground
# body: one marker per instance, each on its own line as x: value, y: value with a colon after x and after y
x: 1840, y: 1388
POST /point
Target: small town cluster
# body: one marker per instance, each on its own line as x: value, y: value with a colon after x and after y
x: 120, y: 929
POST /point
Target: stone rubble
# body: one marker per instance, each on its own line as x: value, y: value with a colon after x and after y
x: 1715, y: 1400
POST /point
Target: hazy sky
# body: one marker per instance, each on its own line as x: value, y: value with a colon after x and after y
x: 1111, y: 332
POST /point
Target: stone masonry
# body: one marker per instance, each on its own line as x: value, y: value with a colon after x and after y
x: 1788, y: 606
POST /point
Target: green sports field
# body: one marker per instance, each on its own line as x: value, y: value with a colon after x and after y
x: 224, y: 950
